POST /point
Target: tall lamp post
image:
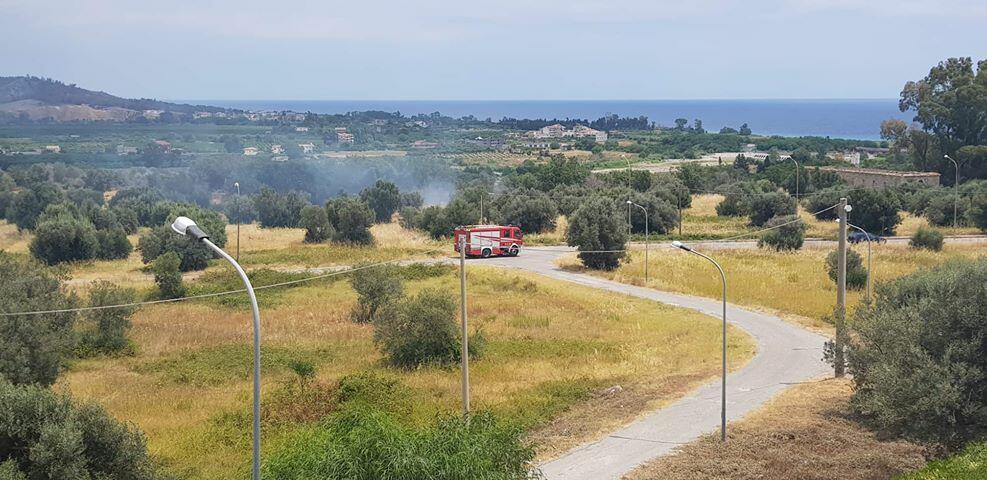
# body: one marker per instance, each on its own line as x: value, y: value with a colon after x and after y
x: 956, y: 186
x: 646, y: 235
x: 185, y: 226
x: 868, y: 236
x: 237, y: 185
x: 723, y: 398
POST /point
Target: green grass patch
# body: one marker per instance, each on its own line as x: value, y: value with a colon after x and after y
x: 970, y: 464
x: 212, y: 366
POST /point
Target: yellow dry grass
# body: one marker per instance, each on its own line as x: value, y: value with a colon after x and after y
x: 12, y: 240
x: 554, y: 237
x: 795, y: 283
x: 552, y: 347
x: 803, y: 433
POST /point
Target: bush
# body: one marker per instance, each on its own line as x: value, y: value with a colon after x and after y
x: 377, y: 288
x: 168, y: 275
x: 113, y: 244
x: 409, y: 217
x: 419, y: 330
x: 28, y: 204
x: 363, y: 442
x: 433, y: 220
x: 316, y: 224
x: 939, y: 210
x: 106, y: 329
x: 875, y: 210
x: 764, y: 207
x: 825, y: 198
x: 533, y: 211
x: 351, y: 218
x: 918, y: 358
x: 48, y: 436
x: 383, y: 198
x: 279, y: 210
x: 788, y: 237
x: 594, y: 226
x: 856, y: 274
x: 977, y: 215
x: 927, y: 238
x: 662, y: 216
x: 194, y: 255
x: 63, y: 235
x: 32, y: 346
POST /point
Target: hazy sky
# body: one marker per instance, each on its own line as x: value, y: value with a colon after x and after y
x: 505, y: 49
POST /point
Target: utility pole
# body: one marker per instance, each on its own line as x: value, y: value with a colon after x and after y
x: 956, y: 186
x: 465, y: 333
x: 680, y: 215
x: 841, y: 292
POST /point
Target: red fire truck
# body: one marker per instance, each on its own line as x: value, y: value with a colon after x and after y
x: 489, y: 240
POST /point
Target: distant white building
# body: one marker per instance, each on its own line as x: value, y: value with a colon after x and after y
x: 277, y: 149
x: 750, y: 148
x: 578, y: 131
x: 344, y: 137
x: 280, y: 158
x: 307, y: 147
x: 251, y: 151
x: 53, y: 149
x: 301, y: 129
x: 125, y: 150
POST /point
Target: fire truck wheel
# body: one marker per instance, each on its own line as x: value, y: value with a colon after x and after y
x: 514, y: 250
x: 485, y: 253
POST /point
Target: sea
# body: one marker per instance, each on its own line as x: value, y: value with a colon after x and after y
x: 837, y: 118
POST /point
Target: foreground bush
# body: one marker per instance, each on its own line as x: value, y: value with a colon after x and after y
x: 168, y: 275
x: 918, y: 358
x: 366, y: 443
x: 790, y: 236
x: 316, y: 224
x: 377, y: 288
x: 421, y: 330
x: 970, y: 464
x: 927, y: 238
x: 105, y: 330
x: 856, y: 274
x: 598, y: 226
x: 47, y: 436
x: 32, y: 347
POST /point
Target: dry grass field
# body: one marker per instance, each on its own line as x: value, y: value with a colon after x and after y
x: 804, y: 433
x: 552, y: 348
x: 791, y: 283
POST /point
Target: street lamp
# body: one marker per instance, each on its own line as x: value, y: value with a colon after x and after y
x: 185, y: 226
x: 723, y: 399
x: 868, y: 255
x: 237, y: 185
x: 645, y: 239
x: 956, y: 186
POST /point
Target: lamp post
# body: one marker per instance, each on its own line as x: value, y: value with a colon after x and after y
x: 956, y: 186
x: 646, y: 235
x: 723, y: 398
x: 237, y: 185
x: 185, y: 226
x: 868, y: 255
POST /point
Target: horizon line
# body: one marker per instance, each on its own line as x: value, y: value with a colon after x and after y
x: 708, y: 99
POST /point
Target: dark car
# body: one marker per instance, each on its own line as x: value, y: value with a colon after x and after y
x: 857, y: 237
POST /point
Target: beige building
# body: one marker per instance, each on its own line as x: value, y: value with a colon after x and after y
x: 870, y: 177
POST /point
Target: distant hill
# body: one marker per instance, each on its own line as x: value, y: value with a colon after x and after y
x: 42, y: 98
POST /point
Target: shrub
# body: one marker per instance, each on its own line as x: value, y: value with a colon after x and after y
x: 279, y: 210
x: 48, y: 436
x: 383, y: 198
x: 533, y: 211
x: 32, y: 346
x: 63, y: 235
x: 433, y: 220
x: 825, y: 198
x: 377, y: 288
x: 977, y: 215
x: 594, y: 226
x: 363, y: 442
x: 662, y: 216
x: 194, y: 255
x: 856, y: 274
x: 112, y: 244
x: 419, y: 330
x: 787, y: 237
x: 764, y: 207
x: 918, y: 358
x: 351, y: 218
x: 107, y: 328
x: 875, y: 210
x: 28, y: 204
x: 316, y: 224
x: 409, y: 217
x: 168, y: 275
x: 927, y: 238
x: 939, y: 210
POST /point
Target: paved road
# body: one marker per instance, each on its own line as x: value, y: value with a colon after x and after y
x: 809, y: 243
x: 786, y: 354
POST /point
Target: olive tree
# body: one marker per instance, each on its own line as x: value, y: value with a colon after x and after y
x: 351, y: 218
x: 376, y: 289
x: 383, y: 198
x: 787, y: 233
x: 599, y: 231
x: 316, y: 224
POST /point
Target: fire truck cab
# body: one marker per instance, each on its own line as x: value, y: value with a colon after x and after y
x: 489, y: 240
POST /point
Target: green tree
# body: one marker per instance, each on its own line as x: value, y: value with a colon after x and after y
x: 856, y: 274
x: 105, y: 330
x: 598, y: 230
x: 377, y: 288
x: 383, y: 198
x: 316, y: 224
x: 977, y: 215
x: 48, y: 436
x: 277, y: 210
x: 532, y: 210
x: 917, y: 355
x: 926, y: 238
x: 113, y: 244
x: 63, y: 235
x: 28, y: 204
x: 766, y: 206
x: 786, y: 233
x: 875, y: 211
x: 32, y: 347
x: 351, y: 218
x: 433, y: 219
x: 193, y: 255
x: 745, y: 130
x: 420, y: 330
x: 168, y: 275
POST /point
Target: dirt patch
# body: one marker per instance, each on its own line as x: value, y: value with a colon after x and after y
x: 608, y: 410
x: 805, y: 433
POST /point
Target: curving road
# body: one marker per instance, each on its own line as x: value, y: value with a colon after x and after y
x: 786, y: 354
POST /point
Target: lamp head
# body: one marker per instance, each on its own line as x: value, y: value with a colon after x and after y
x: 186, y: 226
x: 848, y: 208
x: 629, y: 202
x: 678, y: 244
